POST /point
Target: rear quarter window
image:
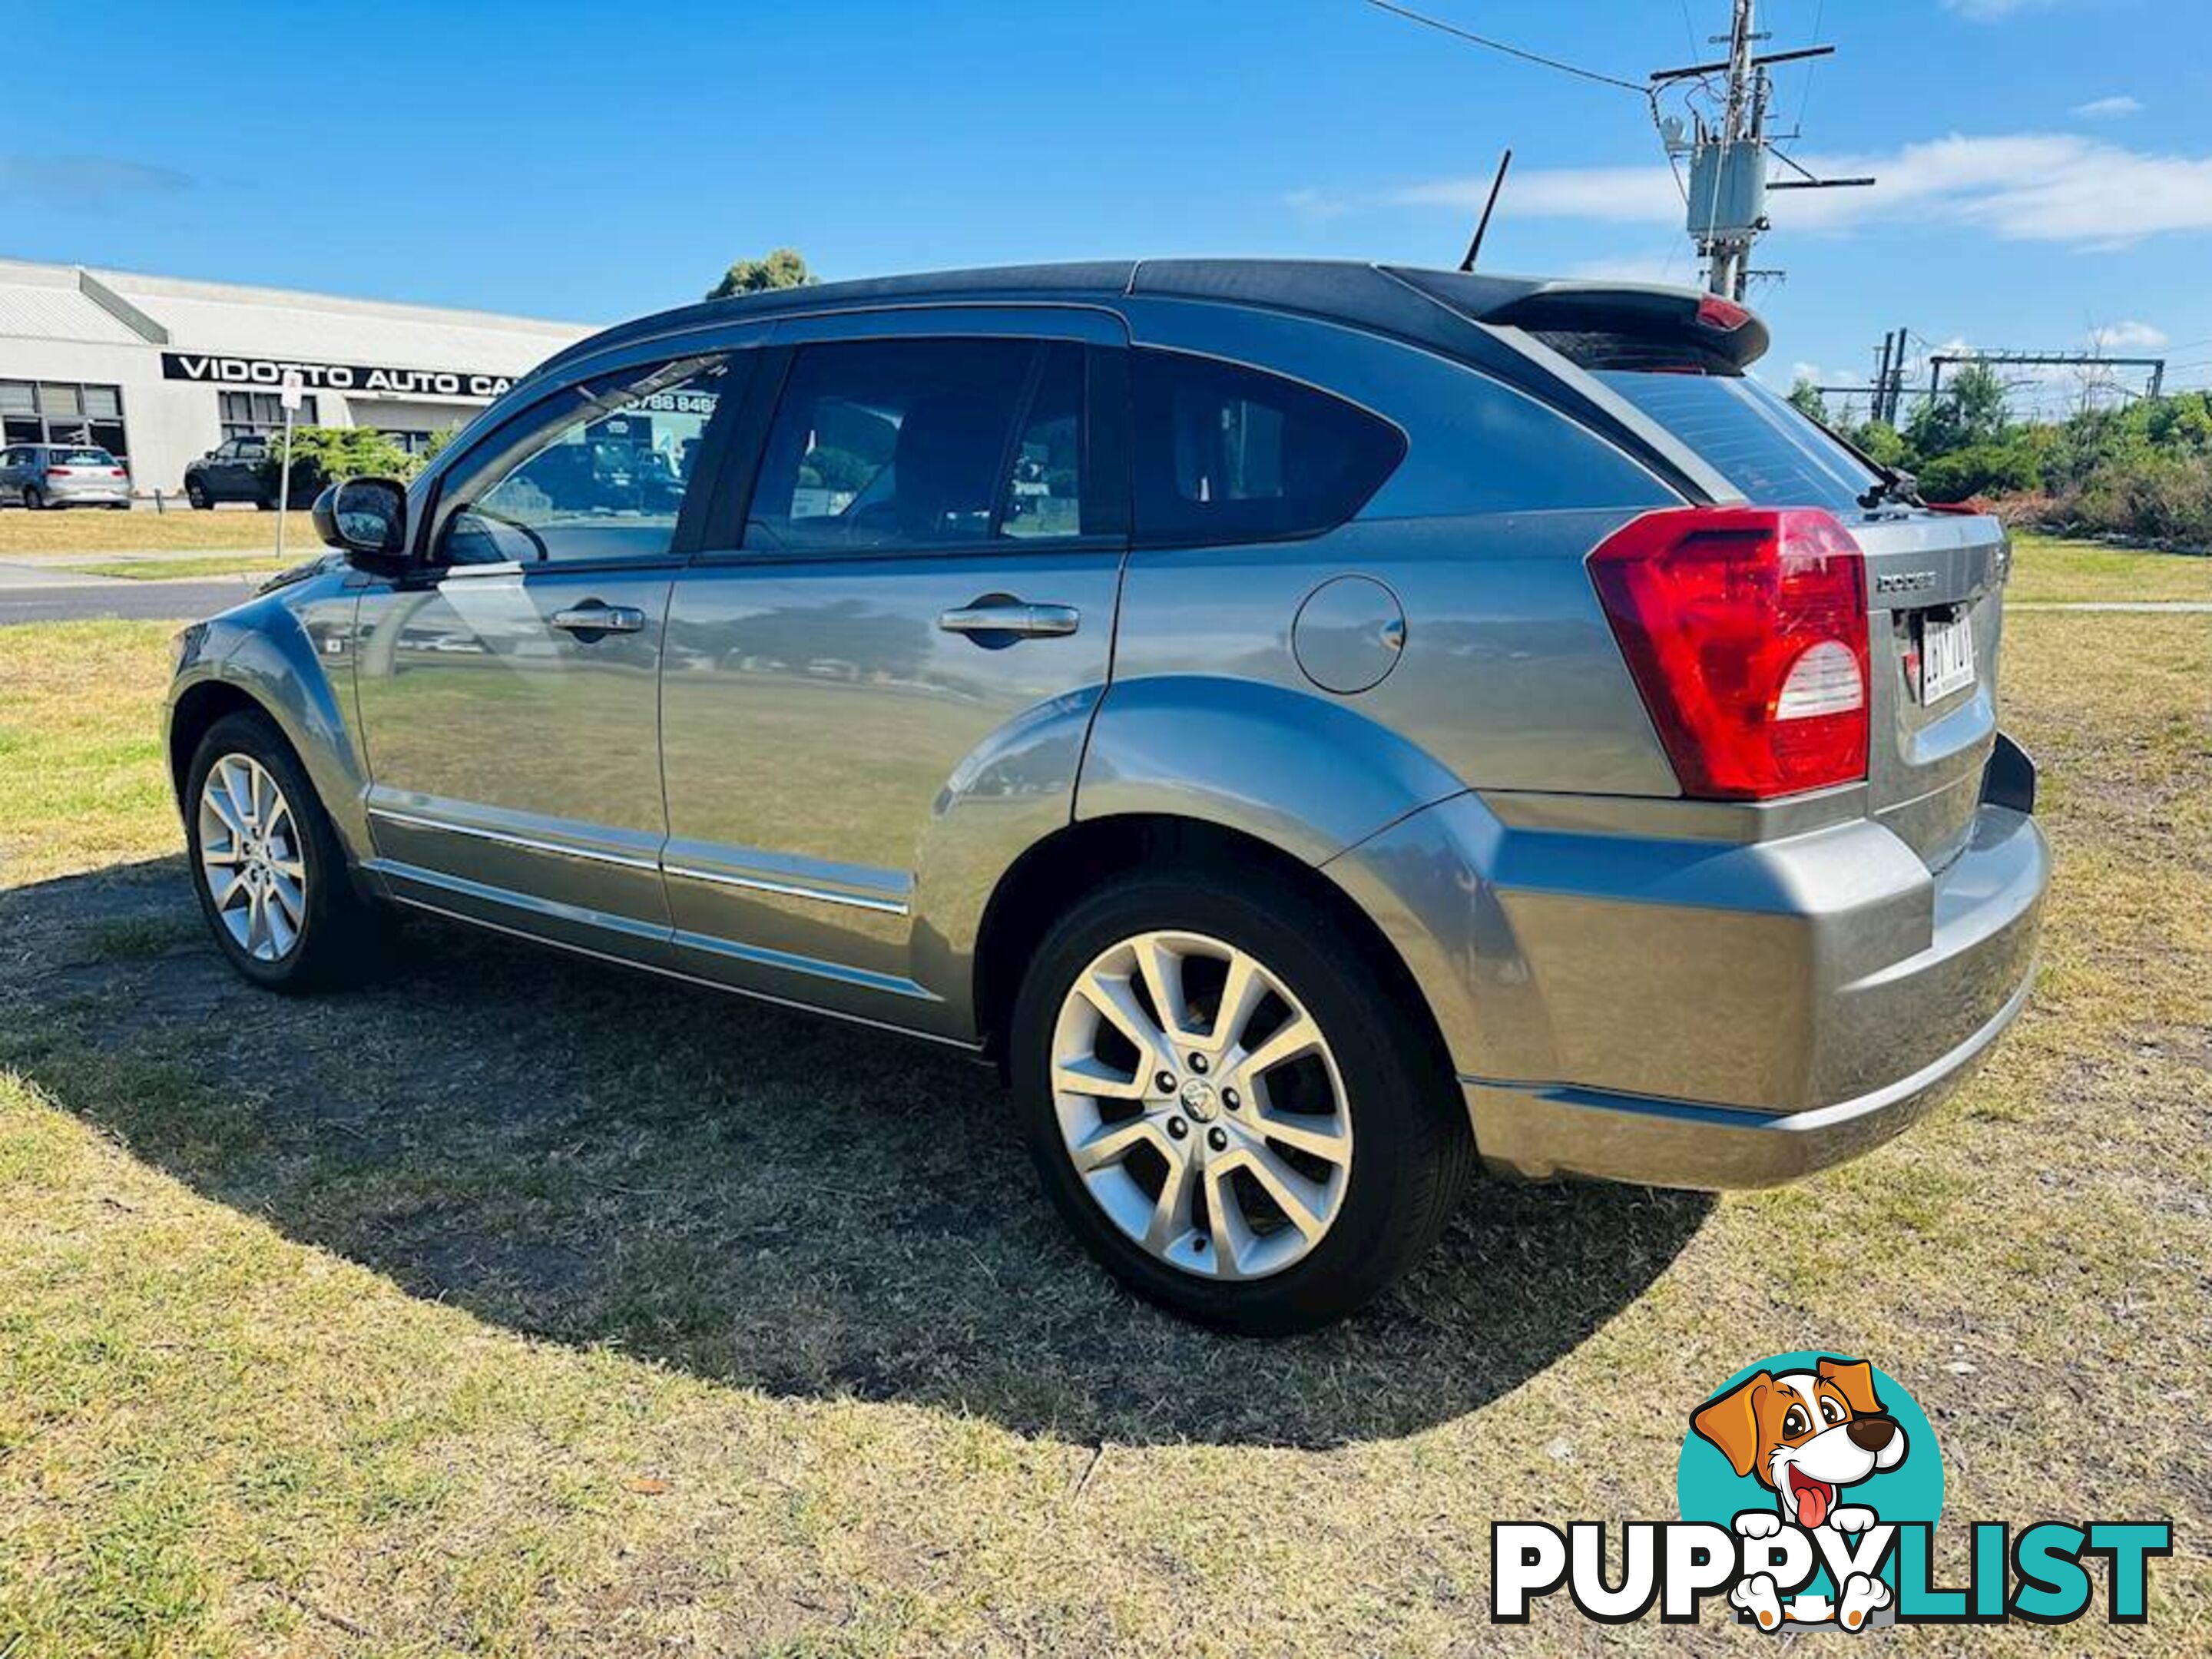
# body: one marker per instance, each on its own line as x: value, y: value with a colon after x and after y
x: 1225, y: 454
x: 1752, y: 438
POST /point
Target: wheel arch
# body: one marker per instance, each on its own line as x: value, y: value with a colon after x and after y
x: 1037, y: 888
x: 197, y: 707
x: 269, y: 661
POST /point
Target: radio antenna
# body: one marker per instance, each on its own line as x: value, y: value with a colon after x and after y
x: 1482, y: 225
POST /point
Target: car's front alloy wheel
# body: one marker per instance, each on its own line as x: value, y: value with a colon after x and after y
x: 250, y: 857
x: 267, y: 866
x: 1201, y: 1105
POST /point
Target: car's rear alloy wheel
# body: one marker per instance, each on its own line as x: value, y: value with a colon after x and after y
x: 1201, y: 1105
x: 1231, y: 1097
x: 250, y: 857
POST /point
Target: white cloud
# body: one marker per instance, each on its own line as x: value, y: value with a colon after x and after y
x: 2107, y: 109
x: 2128, y: 336
x: 1990, y: 11
x: 2046, y: 187
x: 1680, y: 270
x: 1315, y: 204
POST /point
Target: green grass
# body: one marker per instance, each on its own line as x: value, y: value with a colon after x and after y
x: 520, y: 1306
x: 215, y: 564
x: 226, y: 529
x: 2051, y: 569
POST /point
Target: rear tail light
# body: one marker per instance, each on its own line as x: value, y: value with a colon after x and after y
x: 1745, y: 629
x: 1725, y: 315
x: 58, y: 472
x: 114, y: 471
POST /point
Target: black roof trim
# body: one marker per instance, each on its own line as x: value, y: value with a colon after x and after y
x: 1439, y: 310
x: 1369, y: 295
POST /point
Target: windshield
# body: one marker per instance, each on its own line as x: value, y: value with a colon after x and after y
x: 1752, y: 438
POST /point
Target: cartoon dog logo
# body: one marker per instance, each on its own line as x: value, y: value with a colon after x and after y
x: 1806, y: 1436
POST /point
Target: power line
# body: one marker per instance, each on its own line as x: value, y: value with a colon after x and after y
x: 1805, y: 94
x: 1484, y: 40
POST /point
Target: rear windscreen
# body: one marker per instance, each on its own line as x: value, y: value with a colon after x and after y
x: 1752, y: 438
x: 81, y: 457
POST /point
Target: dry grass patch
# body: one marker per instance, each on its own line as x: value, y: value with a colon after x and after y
x: 428, y: 1319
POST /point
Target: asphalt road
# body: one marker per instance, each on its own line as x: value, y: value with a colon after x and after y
x: 147, y: 601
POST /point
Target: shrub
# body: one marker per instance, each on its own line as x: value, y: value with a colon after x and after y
x: 1983, y: 469
x: 321, y: 455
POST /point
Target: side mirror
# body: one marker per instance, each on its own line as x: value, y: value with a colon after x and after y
x: 366, y: 519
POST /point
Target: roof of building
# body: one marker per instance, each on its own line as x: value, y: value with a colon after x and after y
x: 116, y: 308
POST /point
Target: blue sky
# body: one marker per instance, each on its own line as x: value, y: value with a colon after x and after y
x: 2047, y: 172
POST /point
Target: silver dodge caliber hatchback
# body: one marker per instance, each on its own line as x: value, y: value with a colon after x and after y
x: 1313, y: 725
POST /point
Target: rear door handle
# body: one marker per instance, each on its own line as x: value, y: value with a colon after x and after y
x: 1004, y: 616
x: 593, y: 617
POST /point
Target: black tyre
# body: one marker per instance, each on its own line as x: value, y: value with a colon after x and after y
x: 1227, y: 1105
x: 35, y: 500
x: 271, y: 877
x: 196, y: 493
x: 266, y: 503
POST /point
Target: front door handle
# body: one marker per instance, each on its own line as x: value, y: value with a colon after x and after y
x: 593, y: 617
x: 997, y: 614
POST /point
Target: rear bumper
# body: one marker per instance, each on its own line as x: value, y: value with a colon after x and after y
x: 88, y: 495
x: 1706, y: 1013
x: 1671, y: 1143
x: 1877, y: 1046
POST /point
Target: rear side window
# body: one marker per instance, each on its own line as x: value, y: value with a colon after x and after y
x: 1230, y: 454
x: 923, y: 443
x: 1752, y: 438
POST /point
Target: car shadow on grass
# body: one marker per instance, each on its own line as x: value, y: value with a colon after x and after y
x: 763, y: 1199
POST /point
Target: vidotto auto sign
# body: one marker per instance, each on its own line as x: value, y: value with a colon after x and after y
x: 212, y: 368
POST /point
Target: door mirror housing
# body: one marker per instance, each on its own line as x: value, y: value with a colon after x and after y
x: 366, y: 519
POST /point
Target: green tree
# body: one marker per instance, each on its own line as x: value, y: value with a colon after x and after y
x: 785, y: 268
x: 1881, y: 441
x: 1808, y: 400
x: 1970, y: 412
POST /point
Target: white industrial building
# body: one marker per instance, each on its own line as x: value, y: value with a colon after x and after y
x: 160, y: 370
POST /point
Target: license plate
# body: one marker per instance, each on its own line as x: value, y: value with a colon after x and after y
x: 1946, y: 657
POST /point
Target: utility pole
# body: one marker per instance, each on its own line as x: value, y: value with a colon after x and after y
x: 1723, y: 133
x: 1940, y: 361
x: 1727, y: 191
x: 1741, y: 162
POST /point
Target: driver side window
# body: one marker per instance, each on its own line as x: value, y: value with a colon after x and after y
x: 603, y: 479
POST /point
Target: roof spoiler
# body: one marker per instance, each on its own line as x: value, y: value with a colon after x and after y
x: 1611, y: 325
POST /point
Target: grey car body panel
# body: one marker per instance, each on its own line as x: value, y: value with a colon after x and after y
x: 1924, y: 767
x: 512, y: 758
x: 846, y: 781
x: 793, y: 784
x: 289, y: 651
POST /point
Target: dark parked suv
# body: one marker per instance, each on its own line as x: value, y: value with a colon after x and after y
x: 1312, y: 725
x: 233, y: 471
